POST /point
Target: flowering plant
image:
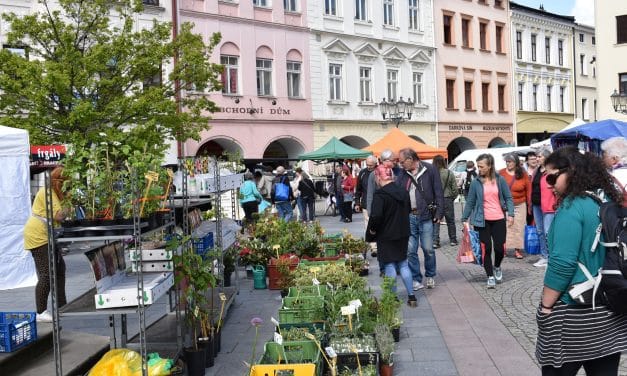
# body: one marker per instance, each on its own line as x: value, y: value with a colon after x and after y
x: 254, y: 251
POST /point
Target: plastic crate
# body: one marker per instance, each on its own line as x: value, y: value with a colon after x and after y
x: 201, y: 245
x: 293, y: 352
x: 306, y: 302
x: 295, y: 316
x: 17, y: 329
x: 283, y: 369
x: 348, y: 361
x: 313, y: 290
x: 311, y: 327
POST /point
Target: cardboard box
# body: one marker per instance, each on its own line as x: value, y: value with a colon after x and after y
x: 124, y: 293
x: 150, y: 254
x: 154, y: 266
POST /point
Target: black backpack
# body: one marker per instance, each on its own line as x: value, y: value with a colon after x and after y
x: 470, y: 176
x: 612, y: 288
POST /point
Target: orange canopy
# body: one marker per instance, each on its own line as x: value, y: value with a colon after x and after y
x: 396, y: 140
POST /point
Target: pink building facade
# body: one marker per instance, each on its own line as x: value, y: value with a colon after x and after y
x: 474, y: 74
x: 265, y: 105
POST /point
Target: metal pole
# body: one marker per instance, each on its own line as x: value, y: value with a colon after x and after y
x: 52, y: 263
x: 141, y: 308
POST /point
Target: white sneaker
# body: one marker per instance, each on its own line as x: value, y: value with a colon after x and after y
x: 542, y: 262
x: 430, y: 282
x: 45, y: 316
x: 491, y: 282
x: 498, y: 274
x: 418, y: 286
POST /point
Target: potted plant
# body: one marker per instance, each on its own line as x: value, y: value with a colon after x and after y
x: 194, y: 276
x: 390, y: 307
x: 385, y: 344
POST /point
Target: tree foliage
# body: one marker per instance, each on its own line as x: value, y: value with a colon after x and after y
x: 86, y: 73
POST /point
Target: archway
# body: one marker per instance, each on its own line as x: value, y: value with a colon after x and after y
x: 217, y: 146
x: 496, y: 142
x: 355, y: 141
x: 457, y: 145
x: 283, y: 148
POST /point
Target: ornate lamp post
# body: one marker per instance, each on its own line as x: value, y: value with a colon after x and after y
x: 619, y: 102
x: 396, y: 111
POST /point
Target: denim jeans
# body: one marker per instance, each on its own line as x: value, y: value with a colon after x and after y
x: 307, y: 208
x: 547, y: 219
x: 538, y: 218
x: 421, y: 233
x: 403, y: 267
x: 449, y: 215
x: 284, y: 208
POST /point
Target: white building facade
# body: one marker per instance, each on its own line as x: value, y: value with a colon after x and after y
x: 585, y: 73
x: 611, y: 47
x: 543, y: 85
x: 363, y: 51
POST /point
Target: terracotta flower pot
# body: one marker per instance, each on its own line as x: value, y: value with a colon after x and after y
x: 386, y: 369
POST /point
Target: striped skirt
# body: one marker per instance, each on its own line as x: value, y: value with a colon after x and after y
x: 573, y: 333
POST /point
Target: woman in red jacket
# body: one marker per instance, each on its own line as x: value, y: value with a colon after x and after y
x: 348, y: 188
x: 520, y: 186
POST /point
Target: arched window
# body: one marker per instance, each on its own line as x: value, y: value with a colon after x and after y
x: 294, y: 74
x: 264, y: 71
x: 229, y: 58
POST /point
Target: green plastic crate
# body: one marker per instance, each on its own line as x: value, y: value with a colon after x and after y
x: 295, y: 316
x: 297, y: 352
x: 303, y: 302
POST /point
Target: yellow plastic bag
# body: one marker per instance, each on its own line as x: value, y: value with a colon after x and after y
x: 125, y: 362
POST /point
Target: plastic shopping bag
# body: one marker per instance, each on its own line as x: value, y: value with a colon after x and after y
x: 263, y: 205
x: 125, y: 362
x: 532, y: 241
x: 470, y: 248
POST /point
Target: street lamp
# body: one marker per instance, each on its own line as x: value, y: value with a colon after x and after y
x: 396, y: 112
x: 619, y: 102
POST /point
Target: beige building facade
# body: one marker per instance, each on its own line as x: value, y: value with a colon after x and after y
x: 611, y: 58
x: 473, y: 74
x: 585, y: 73
x: 542, y: 51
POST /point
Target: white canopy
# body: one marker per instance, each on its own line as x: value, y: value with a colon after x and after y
x: 17, y: 268
x: 547, y: 143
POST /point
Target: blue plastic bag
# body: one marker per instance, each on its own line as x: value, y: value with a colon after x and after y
x: 476, y: 246
x: 263, y: 205
x: 532, y: 241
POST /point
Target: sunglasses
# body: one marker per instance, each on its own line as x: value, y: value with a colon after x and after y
x: 551, y: 179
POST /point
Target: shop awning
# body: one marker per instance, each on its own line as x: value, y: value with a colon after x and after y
x: 334, y: 150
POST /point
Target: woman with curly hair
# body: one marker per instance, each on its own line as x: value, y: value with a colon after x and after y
x: 570, y: 334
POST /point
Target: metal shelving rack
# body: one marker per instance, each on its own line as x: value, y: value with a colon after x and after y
x: 140, y: 308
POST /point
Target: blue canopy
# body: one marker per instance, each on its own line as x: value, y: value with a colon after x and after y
x: 589, y: 136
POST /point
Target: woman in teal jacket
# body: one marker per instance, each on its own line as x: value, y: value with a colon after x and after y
x: 249, y: 197
x: 488, y: 201
x: 570, y: 334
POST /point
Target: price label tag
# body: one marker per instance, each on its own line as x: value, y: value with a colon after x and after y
x: 196, y: 311
x: 355, y: 303
x: 348, y: 310
x: 278, y: 338
x: 223, y: 297
x: 274, y: 321
x: 330, y: 285
x: 330, y: 352
x: 315, y: 281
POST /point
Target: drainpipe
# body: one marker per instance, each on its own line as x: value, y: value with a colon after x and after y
x: 574, y: 74
x: 177, y: 83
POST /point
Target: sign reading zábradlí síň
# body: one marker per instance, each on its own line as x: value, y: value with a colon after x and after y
x: 46, y: 155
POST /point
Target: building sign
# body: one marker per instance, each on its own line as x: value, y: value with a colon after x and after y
x: 46, y: 155
x: 255, y: 110
x: 478, y: 128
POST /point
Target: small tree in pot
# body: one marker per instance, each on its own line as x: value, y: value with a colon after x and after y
x: 385, y: 344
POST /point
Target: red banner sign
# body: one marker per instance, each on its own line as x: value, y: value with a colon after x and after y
x: 46, y: 155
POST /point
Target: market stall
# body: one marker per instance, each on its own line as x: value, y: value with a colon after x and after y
x: 396, y: 140
x: 589, y: 136
x: 17, y: 268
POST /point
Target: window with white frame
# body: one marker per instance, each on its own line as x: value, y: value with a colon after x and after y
x: 290, y: 5
x: 549, y: 90
x: 335, y: 82
x: 264, y: 77
x: 534, y: 94
x: 360, y: 10
x: 230, y: 74
x: 330, y: 7
x: 414, y: 14
x: 585, y: 113
x: 521, y: 90
x: 582, y: 65
x: 293, y: 79
x: 261, y: 3
x: 365, y: 84
x: 562, y: 94
x: 392, y: 83
x: 417, y: 86
x: 388, y: 12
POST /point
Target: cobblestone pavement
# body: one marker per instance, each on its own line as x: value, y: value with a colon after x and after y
x: 515, y: 299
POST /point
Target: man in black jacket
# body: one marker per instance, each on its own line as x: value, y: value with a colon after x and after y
x: 362, y: 188
x: 423, y: 183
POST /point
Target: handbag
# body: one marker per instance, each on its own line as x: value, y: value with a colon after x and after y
x: 532, y: 241
x: 470, y: 248
x: 348, y: 196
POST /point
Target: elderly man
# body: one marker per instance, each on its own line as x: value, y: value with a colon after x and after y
x: 422, y: 181
x: 615, y: 158
x: 282, y: 194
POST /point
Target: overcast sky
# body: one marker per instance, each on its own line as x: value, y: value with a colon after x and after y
x: 583, y: 10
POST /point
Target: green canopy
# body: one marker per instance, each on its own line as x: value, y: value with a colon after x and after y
x: 334, y: 150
